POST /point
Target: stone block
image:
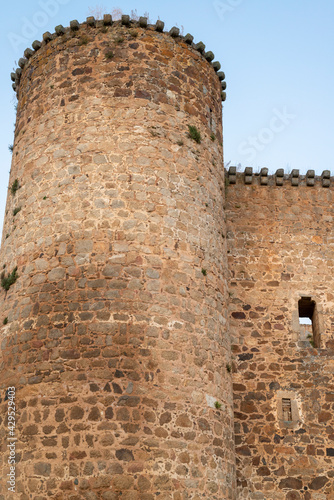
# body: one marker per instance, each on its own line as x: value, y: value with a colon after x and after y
x: 325, y: 177
x: 209, y: 56
x: 91, y: 21
x: 143, y: 22
x: 295, y: 177
x: 200, y: 47
x: 189, y: 38
x: 36, y: 45
x: 248, y: 174
x: 47, y: 37
x: 28, y: 53
x: 159, y: 25
x: 264, y: 177
x: 107, y: 20
x: 174, y: 32
x: 22, y: 62
x: 125, y: 20
x: 74, y: 25
x: 60, y: 30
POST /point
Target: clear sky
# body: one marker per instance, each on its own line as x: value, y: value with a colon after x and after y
x: 277, y: 56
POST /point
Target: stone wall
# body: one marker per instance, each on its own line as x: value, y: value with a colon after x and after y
x: 115, y: 332
x: 280, y: 249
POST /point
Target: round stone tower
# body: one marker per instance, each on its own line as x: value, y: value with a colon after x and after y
x: 113, y: 298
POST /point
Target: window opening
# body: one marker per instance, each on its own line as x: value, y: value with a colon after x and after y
x: 309, y: 321
x: 210, y: 118
x: 286, y: 409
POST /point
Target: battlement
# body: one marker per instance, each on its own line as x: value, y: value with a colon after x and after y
x: 105, y: 24
x: 279, y: 178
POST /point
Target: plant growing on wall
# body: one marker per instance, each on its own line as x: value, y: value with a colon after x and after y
x: 8, y: 281
x: 15, y: 186
x: 194, y: 134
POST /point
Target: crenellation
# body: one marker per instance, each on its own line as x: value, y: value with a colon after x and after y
x: 189, y: 39
x: 310, y: 177
x: 174, y: 32
x: 22, y: 62
x: 200, y: 47
x: 28, y: 53
x: 159, y: 26
x: 295, y: 177
x: 47, y: 37
x: 264, y: 176
x: 107, y: 20
x: 60, y: 30
x: 248, y: 175
x: 127, y: 22
x: 209, y: 56
x: 143, y: 22
x: 74, y: 25
x: 326, y: 178
x: 279, y: 178
x: 36, y: 45
x: 232, y: 175
x: 90, y: 21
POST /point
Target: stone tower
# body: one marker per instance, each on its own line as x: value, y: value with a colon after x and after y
x: 113, y: 305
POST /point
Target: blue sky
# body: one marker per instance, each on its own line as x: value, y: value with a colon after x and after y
x: 277, y: 56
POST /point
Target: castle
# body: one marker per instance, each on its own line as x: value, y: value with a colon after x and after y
x: 152, y: 304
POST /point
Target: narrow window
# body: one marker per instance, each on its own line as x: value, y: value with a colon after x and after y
x: 210, y: 118
x: 309, y: 321
x: 286, y: 410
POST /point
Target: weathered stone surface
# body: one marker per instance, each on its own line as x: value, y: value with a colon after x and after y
x: 318, y: 483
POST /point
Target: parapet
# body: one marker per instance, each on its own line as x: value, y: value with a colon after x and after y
x: 107, y: 21
x: 279, y: 178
